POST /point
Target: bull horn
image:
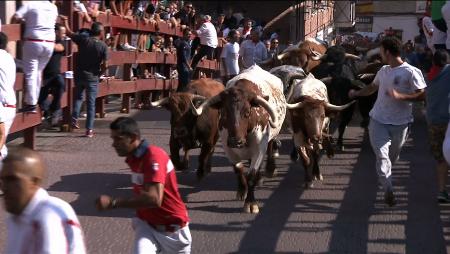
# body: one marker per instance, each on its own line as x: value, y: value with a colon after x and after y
x: 263, y: 103
x: 198, y: 111
x: 281, y: 56
x: 160, y: 103
x: 366, y: 76
x: 338, y: 108
x: 295, y: 76
x: 295, y: 105
x: 316, y: 56
x: 351, y: 56
x: 197, y: 97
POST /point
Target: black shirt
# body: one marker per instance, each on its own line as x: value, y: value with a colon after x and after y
x: 54, y: 64
x: 184, y: 17
x: 183, y: 53
x: 91, y: 53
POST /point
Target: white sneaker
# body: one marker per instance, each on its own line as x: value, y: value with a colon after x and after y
x: 159, y: 76
x: 128, y: 47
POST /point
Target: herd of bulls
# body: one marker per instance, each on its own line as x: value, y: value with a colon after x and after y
x: 309, y: 83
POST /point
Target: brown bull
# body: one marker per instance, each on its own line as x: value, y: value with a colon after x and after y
x: 307, y: 55
x: 189, y: 131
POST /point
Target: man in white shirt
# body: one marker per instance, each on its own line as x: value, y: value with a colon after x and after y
x: 208, y: 41
x: 252, y: 51
x: 36, y: 222
x: 428, y: 30
x: 398, y: 84
x: 7, y: 94
x: 39, y: 39
x: 230, y: 56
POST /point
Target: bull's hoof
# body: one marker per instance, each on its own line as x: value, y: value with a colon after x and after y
x: 309, y: 185
x: 251, y: 208
x: 318, y: 177
x: 241, y: 195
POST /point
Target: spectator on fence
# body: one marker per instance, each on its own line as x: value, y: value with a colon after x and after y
x: 219, y: 25
x: 91, y: 63
x: 246, y: 29
x: 162, y: 222
x: 252, y: 51
x: 208, y: 40
x: 184, y: 68
x: 7, y: 94
x: 36, y: 221
x: 81, y: 8
x: 53, y: 80
x: 438, y: 116
x: 39, y: 37
x: 230, y: 56
x: 183, y: 16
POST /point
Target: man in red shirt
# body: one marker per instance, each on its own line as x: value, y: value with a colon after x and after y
x: 161, y: 225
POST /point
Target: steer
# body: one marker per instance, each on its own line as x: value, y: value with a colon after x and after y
x: 189, y: 131
x: 252, y: 109
x: 309, y: 109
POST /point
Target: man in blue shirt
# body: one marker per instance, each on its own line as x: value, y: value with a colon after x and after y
x: 184, y: 68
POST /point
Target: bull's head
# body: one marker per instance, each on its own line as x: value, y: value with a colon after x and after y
x: 240, y: 111
x: 309, y: 116
x: 182, y: 119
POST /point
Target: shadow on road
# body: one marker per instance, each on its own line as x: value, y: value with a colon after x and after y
x: 89, y: 186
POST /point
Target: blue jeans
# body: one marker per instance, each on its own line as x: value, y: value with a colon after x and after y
x: 91, y: 88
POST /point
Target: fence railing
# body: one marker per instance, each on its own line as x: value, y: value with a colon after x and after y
x: 127, y: 86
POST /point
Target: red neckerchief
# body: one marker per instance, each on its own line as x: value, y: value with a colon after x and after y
x: 434, y: 71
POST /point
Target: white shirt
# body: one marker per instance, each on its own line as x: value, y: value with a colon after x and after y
x: 47, y: 225
x: 405, y: 79
x: 40, y: 18
x: 231, y: 55
x: 208, y: 35
x: 428, y: 27
x: 7, y: 78
x: 252, y: 53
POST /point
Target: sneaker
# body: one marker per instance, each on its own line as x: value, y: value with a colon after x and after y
x: 443, y: 197
x: 389, y: 198
x: 128, y: 47
x: 89, y: 133
x: 74, y: 124
x: 29, y: 109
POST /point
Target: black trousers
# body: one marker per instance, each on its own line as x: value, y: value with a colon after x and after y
x: 204, y: 51
x: 184, y: 77
x: 55, y: 86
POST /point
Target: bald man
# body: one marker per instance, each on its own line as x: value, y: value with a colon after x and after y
x: 37, y: 222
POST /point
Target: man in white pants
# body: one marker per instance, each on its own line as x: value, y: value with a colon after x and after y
x: 397, y: 83
x: 7, y: 94
x: 39, y: 39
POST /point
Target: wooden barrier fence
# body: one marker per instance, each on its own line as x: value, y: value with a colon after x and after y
x: 28, y: 123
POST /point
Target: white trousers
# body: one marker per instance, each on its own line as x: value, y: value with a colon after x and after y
x: 446, y: 15
x: 387, y: 141
x: 148, y: 240
x: 6, y: 117
x: 35, y: 56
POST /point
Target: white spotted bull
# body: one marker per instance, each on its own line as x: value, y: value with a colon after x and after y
x: 252, y: 109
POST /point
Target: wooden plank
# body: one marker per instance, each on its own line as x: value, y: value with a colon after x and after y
x: 146, y: 57
x: 12, y: 31
x: 104, y: 19
x: 115, y: 87
x: 149, y: 27
x: 145, y: 84
x: 164, y: 28
x: 121, y: 57
x: 64, y: 64
x: 29, y: 138
x: 160, y: 84
x: 18, y: 85
x: 23, y: 121
x: 170, y: 59
x: 118, y: 22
